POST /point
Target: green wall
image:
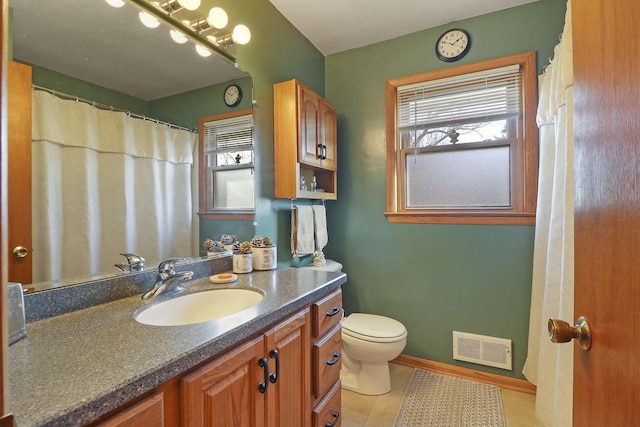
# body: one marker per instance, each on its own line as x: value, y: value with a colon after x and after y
x: 433, y: 278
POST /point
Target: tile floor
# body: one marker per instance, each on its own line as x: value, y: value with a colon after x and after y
x: 380, y: 411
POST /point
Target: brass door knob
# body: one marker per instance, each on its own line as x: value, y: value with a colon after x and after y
x: 561, y: 331
x: 20, y: 251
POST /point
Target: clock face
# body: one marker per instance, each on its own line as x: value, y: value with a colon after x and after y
x: 232, y: 95
x: 453, y: 45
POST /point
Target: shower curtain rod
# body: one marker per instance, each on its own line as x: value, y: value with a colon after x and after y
x: 111, y: 108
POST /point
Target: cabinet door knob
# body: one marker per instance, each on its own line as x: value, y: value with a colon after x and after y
x: 333, y: 312
x: 336, y: 416
x: 336, y: 357
x: 274, y: 376
x: 263, y: 363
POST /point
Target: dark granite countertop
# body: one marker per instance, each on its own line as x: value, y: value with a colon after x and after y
x: 74, y: 367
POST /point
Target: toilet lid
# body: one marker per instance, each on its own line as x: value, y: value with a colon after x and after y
x: 361, y: 325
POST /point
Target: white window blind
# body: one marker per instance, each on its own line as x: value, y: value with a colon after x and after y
x: 228, y: 135
x: 483, y: 96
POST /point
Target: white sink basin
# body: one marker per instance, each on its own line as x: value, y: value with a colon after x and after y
x: 199, y: 307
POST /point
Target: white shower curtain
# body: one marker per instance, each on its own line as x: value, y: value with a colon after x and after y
x: 104, y: 184
x: 548, y: 365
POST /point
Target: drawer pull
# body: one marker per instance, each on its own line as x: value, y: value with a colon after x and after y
x: 336, y: 415
x: 263, y: 363
x: 336, y: 357
x: 274, y: 376
x: 333, y: 312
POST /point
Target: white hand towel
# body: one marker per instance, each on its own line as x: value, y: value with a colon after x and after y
x: 320, y: 226
x: 302, y: 242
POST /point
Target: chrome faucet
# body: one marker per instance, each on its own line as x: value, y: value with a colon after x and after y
x: 134, y: 263
x: 167, y: 280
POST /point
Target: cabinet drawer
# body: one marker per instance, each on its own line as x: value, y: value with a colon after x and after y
x: 327, y: 361
x: 328, y: 412
x: 149, y: 412
x: 326, y: 313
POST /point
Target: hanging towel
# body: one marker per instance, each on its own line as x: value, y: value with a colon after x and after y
x: 320, y: 226
x: 302, y: 242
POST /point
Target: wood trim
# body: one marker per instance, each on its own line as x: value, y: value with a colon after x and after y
x: 526, y: 155
x: 508, y: 383
x: 530, y: 86
x: 392, y: 147
x: 4, y: 253
x: 229, y: 216
x: 488, y: 218
x: 204, y: 192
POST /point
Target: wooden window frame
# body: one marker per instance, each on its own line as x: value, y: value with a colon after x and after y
x: 205, y: 191
x: 524, y: 179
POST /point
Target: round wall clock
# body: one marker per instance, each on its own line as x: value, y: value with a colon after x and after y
x: 232, y: 95
x: 453, y: 45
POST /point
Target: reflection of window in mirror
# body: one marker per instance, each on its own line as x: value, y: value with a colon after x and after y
x: 226, y: 165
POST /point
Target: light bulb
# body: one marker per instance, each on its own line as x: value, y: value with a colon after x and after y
x: 217, y: 18
x: 202, y: 51
x: 178, y: 37
x: 189, y: 4
x: 241, y: 34
x: 148, y: 20
x: 115, y: 3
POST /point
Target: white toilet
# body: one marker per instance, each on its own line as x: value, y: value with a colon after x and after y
x: 369, y: 342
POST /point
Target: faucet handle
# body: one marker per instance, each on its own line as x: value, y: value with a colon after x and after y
x: 167, y: 265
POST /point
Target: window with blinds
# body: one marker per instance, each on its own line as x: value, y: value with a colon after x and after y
x: 468, y: 108
x: 458, y: 151
x: 229, y: 142
x: 227, y: 156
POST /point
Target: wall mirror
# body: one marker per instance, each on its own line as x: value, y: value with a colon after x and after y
x: 110, y: 48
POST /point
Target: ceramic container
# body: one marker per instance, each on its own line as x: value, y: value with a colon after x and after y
x: 242, y: 263
x: 265, y: 257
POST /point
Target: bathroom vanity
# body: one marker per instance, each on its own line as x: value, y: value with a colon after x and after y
x: 275, y: 363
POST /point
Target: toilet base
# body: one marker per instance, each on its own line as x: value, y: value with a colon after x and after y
x: 370, y: 379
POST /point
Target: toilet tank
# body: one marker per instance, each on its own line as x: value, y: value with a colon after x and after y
x: 331, y: 265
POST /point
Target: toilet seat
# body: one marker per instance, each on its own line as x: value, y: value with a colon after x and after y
x: 373, y: 328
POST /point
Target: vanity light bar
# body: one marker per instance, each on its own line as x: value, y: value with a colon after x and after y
x: 187, y: 30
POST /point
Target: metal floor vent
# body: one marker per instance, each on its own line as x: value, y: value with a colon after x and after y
x: 481, y: 349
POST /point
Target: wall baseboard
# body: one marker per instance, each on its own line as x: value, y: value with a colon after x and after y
x: 470, y: 374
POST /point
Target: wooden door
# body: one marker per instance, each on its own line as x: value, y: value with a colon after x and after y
x: 19, y: 171
x: 225, y: 392
x: 309, y: 117
x: 329, y: 135
x: 607, y: 210
x: 288, y: 398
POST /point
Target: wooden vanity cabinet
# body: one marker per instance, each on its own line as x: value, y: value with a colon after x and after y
x: 264, y: 382
x: 326, y: 361
x: 305, y: 142
x: 298, y: 387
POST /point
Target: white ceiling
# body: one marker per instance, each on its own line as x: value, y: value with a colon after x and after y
x: 94, y: 42
x: 337, y: 25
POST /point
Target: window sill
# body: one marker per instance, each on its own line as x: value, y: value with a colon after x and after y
x: 229, y: 215
x: 467, y: 217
